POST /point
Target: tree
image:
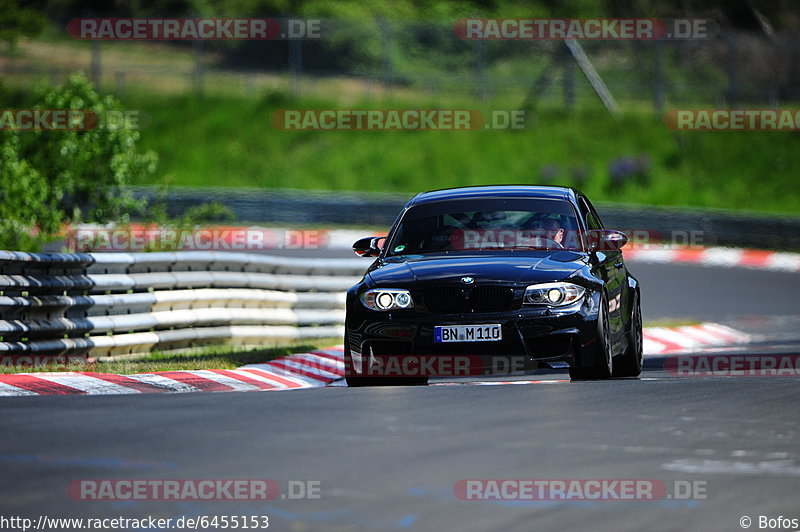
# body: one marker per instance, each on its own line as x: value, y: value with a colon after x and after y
x: 16, y: 22
x: 50, y: 177
x: 23, y: 200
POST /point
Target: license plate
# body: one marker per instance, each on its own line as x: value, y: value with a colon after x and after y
x: 467, y: 333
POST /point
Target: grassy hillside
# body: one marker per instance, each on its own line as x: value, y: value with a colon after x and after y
x: 633, y: 158
x: 226, y: 138
x: 229, y: 141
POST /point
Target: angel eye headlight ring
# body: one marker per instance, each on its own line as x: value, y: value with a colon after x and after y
x: 383, y: 299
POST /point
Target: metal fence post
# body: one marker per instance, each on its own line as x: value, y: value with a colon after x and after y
x: 733, y: 84
x: 121, y: 82
x: 388, y: 74
x: 569, y: 82
x: 97, y: 68
x: 658, y: 78
x: 480, y: 69
x: 198, y: 73
x: 296, y: 66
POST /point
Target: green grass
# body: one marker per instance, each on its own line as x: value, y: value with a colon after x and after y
x: 230, y: 141
x: 221, y: 357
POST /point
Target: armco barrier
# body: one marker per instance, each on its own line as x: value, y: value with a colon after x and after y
x: 252, y: 205
x: 108, y: 304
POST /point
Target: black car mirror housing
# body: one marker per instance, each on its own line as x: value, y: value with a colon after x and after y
x: 368, y: 246
x: 606, y: 239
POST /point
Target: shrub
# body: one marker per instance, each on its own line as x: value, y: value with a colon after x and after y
x: 51, y: 177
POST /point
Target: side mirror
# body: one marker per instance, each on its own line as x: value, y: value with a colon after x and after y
x: 368, y: 246
x: 606, y: 239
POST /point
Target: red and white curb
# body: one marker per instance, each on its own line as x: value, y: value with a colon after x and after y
x: 716, y: 256
x: 685, y: 339
x: 304, y: 370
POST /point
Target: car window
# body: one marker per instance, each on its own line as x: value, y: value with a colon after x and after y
x: 487, y: 224
x: 595, y: 217
x: 590, y: 215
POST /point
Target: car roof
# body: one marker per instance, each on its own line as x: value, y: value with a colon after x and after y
x: 495, y: 191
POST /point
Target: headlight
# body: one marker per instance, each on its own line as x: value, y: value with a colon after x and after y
x: 553, y: 294
x: 386, y: 299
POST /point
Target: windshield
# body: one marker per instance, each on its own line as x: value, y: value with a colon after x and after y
x: 486, y: 224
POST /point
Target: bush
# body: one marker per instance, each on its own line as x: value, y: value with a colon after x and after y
x: 17, y: 21
x: 51, y: 177
x: 23, y: 200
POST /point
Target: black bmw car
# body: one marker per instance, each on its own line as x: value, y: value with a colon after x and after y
x: 493, y: 279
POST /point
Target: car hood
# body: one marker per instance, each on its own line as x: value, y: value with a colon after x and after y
x: 526, y: 268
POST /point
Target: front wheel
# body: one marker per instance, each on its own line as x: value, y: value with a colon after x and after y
x: 630, y: 363
x: 602, y: 358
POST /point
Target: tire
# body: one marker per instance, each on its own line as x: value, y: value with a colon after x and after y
x: 630, y: 363
x: 602, y: 352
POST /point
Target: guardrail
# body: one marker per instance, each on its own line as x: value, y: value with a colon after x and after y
x: 718, y: 227
x: 58, y: 306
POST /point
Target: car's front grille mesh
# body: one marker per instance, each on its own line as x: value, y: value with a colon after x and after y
x: 489, y: 298
x: 445, y: 300
x: 479, y: 299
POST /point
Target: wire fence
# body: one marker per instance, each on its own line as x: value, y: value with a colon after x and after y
x: 380, y: 58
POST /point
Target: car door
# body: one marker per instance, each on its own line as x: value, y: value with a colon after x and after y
x: 610, y: 268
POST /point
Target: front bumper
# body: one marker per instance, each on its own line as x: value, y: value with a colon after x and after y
x: 531, y: 337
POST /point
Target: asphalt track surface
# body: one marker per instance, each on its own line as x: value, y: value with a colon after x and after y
x: 388, y: 458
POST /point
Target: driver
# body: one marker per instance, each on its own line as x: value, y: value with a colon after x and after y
x: 554, y: 231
